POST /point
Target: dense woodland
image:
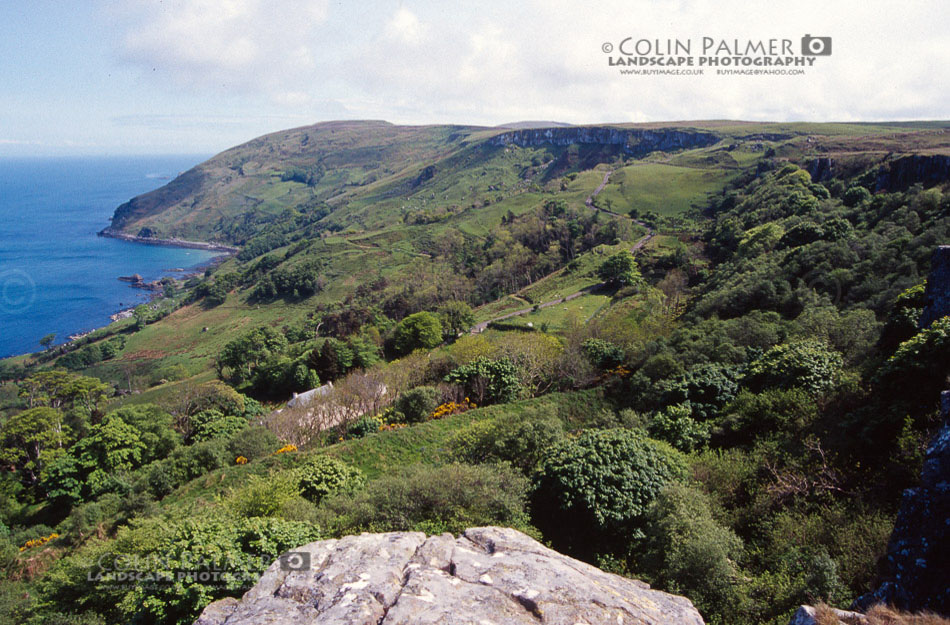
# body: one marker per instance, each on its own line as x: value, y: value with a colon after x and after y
x: 735, y: 425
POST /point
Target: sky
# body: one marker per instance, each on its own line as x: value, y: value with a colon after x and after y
x: 199, y: 76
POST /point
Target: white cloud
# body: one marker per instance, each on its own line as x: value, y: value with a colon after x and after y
x: 405, y: 27
x: 491, y: 62
x: 223, y: 45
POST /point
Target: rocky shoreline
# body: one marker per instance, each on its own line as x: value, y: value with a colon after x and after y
x: 136, y: 281
x: 195, y: 245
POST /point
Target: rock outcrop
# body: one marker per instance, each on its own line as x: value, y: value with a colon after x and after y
x: 634, y: 142
x: 918, y: 553
x: 938, y: 287
x: 821, y: 169
x: 807, y: 615
x: 489, y: 575
x: 900, y: 174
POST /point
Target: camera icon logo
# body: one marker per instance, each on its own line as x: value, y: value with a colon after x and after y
x: 294, y: 561
x: 816, y: 46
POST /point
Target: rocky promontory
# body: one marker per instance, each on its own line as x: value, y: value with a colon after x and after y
x: 112, y: 233
x: 489, y: 575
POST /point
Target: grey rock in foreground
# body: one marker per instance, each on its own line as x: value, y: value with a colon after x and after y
x: 488, y: 576
x: 806, y: 615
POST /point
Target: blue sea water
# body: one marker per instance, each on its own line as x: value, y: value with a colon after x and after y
x: 56, y: 275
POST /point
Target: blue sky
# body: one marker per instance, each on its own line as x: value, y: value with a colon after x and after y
x: 196, y: 76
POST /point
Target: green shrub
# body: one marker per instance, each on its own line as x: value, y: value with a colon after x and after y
x: 434, y: 499
x: 603, y: 354
x: 773, y: 413
x: 154, y: 428
x: 422, y: 330
x: 676, y: 426
x: 263, y: 496
x: 238, y: 550
x: 620, y: 270
x: 809, y: 365
x: 707, y: 388
x: 363, y: 426
x: 856, y: 195
x: 456, y: 317
x: 211, y: 424
x: 252, y: 442
x: 687, y: 552
x: 592, y: 492
x: 520, y: 442
x: 921, y: 363
x: 91, y: 519
x: 322, y: 476
x: 415, y: 405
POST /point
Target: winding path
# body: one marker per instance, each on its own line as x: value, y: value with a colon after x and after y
x: 589, y: 202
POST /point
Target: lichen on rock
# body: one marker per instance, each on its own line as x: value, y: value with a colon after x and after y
x: 489, y: 575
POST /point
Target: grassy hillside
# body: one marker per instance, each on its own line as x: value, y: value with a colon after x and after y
x: 695, y: 376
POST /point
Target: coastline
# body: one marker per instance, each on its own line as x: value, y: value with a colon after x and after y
x: 195, y: 245
x: 185, y: 274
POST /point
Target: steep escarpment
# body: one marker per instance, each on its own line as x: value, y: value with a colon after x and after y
x: 488, y: 575
x: 634, y: 142
x: 900, y: 174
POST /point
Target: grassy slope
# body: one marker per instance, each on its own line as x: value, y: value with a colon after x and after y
x: 382, y: 453
x: 370, y: 169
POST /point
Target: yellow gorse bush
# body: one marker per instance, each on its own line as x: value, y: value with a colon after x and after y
x: 36, y: 542
x: 240, y: 460
x: 285, y: 449
x: 388, y: 427
x: 452, y: 407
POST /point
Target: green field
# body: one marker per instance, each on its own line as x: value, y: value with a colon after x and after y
x: 664, y: 189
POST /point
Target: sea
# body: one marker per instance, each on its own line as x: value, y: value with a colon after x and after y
x: 56, y: 275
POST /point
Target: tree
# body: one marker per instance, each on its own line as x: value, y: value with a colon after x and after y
x: 25, y: 436
x: 332, y: 360
x: 239, y: 357
x: 154, y: 428
x: 620, y: 269
x: 488, y: 381
x: 919, y: 369
x: 88, y: 393
x: 856, y: 195
x: 760, y: 239
x: 676, y: 425
x: 420, y: 330
x: 456, y: 318
x: 195, y: 398
x: 47, y: 340
x: 110, y: 446
x: 46, y: 388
